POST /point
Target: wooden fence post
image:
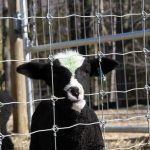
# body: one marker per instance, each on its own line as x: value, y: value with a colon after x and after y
x: 18, y: 81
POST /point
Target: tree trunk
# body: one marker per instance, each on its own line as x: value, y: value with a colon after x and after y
x: 18, y: 81
x: 5, y: 48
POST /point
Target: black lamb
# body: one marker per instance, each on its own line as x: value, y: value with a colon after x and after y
x: 69, y: 68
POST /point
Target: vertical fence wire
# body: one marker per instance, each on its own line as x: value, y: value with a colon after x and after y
x: 84, y: 12
x: 43, y: 27
x: 59, y: 24
x: 36, y: 41
x: 124, y: 63
x: 134, y: 59
x: 75, y: 23
x: 101, y: 75
x: 49, y: 19
x: 113, y: 96
x: 146, y: 51
x: 44, y: 38
x: 67, y: 20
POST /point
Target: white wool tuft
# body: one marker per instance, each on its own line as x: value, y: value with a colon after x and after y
x: 70, y: 59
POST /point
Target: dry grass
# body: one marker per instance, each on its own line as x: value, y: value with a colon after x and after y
x: 113, y: 141
x: 127, y: 141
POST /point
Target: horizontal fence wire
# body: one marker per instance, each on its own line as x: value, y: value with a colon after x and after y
x: 74, y: 15
x: 78, y: 124
x: 89, y: 55
x: 47, y: 99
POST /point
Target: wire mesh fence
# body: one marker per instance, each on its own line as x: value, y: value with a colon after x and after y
x: 96, y: 28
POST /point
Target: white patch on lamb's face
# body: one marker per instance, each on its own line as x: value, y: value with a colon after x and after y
x: 78, y: 101
x: 78, y: 106
x: 74, y: 83
x: 75, y: 93
x: 70, y: 60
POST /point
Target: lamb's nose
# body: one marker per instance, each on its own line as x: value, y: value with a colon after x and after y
x: 74, y: 91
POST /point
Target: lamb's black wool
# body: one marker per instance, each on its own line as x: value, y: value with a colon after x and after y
x: 76, y: 138
x: 68, y: 111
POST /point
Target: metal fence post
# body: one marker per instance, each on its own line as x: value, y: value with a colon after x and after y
x: 24, y: 12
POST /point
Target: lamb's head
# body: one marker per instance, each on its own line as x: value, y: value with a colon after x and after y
x: 69, y: 70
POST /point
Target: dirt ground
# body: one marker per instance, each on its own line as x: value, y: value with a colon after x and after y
x: 116, y: 140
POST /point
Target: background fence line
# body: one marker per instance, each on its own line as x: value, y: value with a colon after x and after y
x: 88, y: 41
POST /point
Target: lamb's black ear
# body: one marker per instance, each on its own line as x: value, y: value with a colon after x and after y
x: 33, y: 70
x: 107, y: 65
